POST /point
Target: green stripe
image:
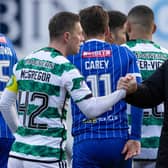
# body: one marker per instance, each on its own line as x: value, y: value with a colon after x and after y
x: 77, y: 83
x: 64, y: 114
x: 53, y: 51
x: 150, y: 120
x: 51, y: 132
x: 58, y: 69
x: 33, y: 86
x: 146, y: 75
x: 152, y: 142
x: 42, y: 151
x: 133, y: 43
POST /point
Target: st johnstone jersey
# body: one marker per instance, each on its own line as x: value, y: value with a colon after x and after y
x: 102, y: 64
x: 7, y: 60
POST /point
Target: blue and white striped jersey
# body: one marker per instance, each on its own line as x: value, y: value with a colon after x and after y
x: 102, y: 64
x: 7, y: 60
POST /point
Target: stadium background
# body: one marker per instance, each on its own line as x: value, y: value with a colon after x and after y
x: 25, y: 21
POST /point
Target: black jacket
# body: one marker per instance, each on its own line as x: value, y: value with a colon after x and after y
x: 152, y: 92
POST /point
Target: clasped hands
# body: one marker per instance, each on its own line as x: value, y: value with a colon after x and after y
x: 128, y: 83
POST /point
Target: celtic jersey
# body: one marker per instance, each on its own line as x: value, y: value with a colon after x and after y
x: 44, y: 81
x: 150, y: 56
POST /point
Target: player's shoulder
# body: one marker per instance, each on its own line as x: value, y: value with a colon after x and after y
x: 164, y: 50
x: 115, y: 48
x: 4, y: 40
x: 122, y: 49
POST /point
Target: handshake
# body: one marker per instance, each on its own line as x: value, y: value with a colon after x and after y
x: 128, y: 83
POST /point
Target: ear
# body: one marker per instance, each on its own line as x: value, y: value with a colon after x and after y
x: 154, y: 28
x: 84, y: 35
x: 128, y: 27
x: 112, y: 37
x: 66, y: 36
x: 107, y: 31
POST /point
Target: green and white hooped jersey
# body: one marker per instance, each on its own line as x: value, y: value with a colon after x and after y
x: 150, y: 56
x: 44, y: 80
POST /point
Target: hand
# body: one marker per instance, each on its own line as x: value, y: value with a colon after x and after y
x: 131, y: 149
x: 128, y: 83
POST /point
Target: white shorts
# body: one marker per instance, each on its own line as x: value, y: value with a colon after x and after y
x: 18, y: 163
x: 144, y: 164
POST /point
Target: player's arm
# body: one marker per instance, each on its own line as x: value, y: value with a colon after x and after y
x: 7, y: 104
x: 82, y: 95
x: 95, y: 106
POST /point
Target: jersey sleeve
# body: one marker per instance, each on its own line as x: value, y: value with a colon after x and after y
x: 75, y: 84
x: 12, y: 84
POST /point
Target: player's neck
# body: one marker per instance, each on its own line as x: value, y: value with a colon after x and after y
x: 99, y: 37
x: 140, y: 36
x: 58, y: 46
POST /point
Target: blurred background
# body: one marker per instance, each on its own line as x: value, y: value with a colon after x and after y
x: 25, y: 22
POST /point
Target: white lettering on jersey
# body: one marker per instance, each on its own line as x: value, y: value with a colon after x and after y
x: 97, y: 64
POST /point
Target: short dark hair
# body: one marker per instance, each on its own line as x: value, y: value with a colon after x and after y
x: 62, y: 22
x: 116, y: 19
x: 94, y: 20
x: 142, y: 14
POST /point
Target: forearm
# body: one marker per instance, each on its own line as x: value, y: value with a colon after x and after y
x: 96, y: 106
x: 8, y: 110
x: 144, y: 97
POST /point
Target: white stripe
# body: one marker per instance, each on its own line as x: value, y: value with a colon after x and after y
x: 136, y: 74
x: 38, y: 140
x: 41, y: 55
x: 147, y: 153
x: 22, y: 155
x: 151, y: 131
x: 94, y: 39
x: 146, y: 48
x: 53, y: 101
x: 51, y: 122
x: 54, y: 79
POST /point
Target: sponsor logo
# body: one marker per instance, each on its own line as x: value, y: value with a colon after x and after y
x: 2, y: 40
x: 95, y: 54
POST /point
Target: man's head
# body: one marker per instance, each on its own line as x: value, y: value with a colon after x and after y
x: 94, y: 21
x: 141, y: 22
x: 117, y: 24
x: 65, y: 32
